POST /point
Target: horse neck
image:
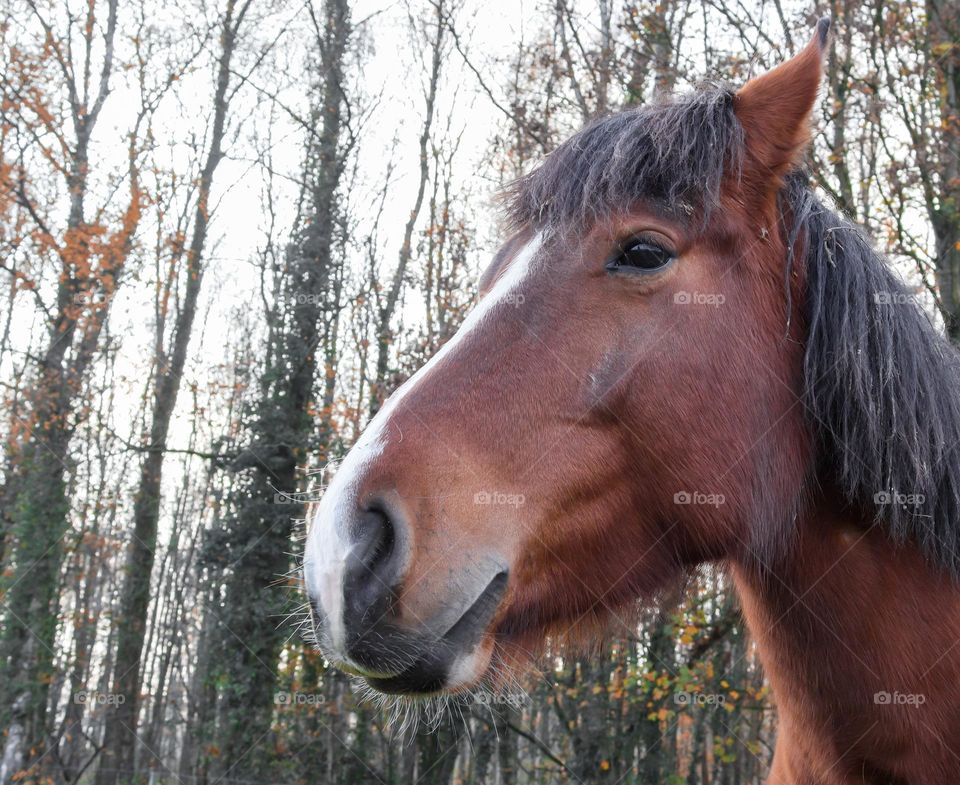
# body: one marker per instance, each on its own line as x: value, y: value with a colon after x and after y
x: 845, y: 621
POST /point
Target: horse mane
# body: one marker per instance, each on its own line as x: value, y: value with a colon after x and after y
x: 881, y: 383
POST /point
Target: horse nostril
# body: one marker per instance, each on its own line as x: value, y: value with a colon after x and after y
x: 383, y: 541
x: 373, y: 540
x: 373, y: 564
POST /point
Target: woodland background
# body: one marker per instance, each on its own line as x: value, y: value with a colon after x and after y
x: 228, y: 228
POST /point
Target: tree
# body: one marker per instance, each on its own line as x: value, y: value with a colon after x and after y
x: 52, y: 94
x: 943, y: 168
x: 388, y: 302
x: 253, y: 550
x: 120, y: 734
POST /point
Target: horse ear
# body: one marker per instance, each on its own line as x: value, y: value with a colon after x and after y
x: 774, y: 109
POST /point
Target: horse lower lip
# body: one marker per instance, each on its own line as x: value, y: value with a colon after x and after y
x: 428, y: 674
x: 353, y: 670
x: 421, y: 679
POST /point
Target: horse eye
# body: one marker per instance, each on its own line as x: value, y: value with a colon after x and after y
x: 641, y: 256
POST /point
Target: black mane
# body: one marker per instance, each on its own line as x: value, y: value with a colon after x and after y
x: 882, y: 384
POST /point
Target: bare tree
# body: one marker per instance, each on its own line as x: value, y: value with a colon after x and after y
x: 120, y: 734
x: 389, y: 300
x: 49, y: 141
x: 290, y: 421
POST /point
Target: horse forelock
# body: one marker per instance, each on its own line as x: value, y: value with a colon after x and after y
x: 673, y: 154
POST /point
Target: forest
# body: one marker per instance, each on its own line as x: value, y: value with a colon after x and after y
x: 228, y: 230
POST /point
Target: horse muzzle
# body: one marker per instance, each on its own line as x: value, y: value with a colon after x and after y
x: 403, y: 635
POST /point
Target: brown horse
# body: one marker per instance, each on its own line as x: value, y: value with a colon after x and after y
x: 681, y: 356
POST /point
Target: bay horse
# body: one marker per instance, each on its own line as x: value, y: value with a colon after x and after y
x: 682, y: 356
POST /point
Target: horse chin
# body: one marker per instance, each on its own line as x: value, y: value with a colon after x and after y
x: 505, y: 656
x: 461, y: 674
x: 497, y: 672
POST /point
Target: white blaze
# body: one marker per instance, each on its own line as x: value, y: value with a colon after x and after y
x: 327, y: 547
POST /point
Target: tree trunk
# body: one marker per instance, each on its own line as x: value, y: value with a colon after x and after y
x: 944, y: 26
x: 118, y: 758
x: 35, y: 493
x: 388, y: 304
x: 255, y: 547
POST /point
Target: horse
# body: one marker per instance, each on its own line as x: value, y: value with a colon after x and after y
x: 681, y: 356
